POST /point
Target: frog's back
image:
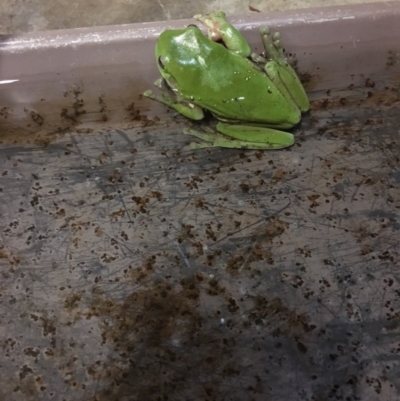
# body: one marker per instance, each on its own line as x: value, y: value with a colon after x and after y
x: 231, y: 86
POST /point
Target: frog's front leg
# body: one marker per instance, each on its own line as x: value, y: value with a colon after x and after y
x: 183, y: 107
x: 219, y: 29
x: 280, y: 71
x: 242, y: 137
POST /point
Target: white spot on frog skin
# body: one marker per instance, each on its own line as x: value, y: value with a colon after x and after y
x: 201, y: 61
x: 222, y: 320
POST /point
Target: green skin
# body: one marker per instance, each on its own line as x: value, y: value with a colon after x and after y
x: 253, y: 97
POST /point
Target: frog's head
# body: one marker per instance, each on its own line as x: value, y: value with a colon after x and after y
x: 174, y: 50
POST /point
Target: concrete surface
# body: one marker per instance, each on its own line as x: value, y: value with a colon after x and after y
x: 39, y: 15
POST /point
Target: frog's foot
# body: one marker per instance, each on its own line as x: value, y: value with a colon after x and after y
x: 208, y: 140
x: 220, y: 30
x: 242, y: 137
x: 159, y: 83
x: 280, y: 71
x: 258, y: 59
x: 272, y: 46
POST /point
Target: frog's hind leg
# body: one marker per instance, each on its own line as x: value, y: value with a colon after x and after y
x: 279, y: 70
x: 242, y: 137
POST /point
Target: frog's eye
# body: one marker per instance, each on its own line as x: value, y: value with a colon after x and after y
x: 160, y: 63
x: 193, y: 25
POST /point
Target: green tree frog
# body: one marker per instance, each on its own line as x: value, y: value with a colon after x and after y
x: 252, y: 97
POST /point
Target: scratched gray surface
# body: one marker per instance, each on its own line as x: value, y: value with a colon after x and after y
x: 136, y: 269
